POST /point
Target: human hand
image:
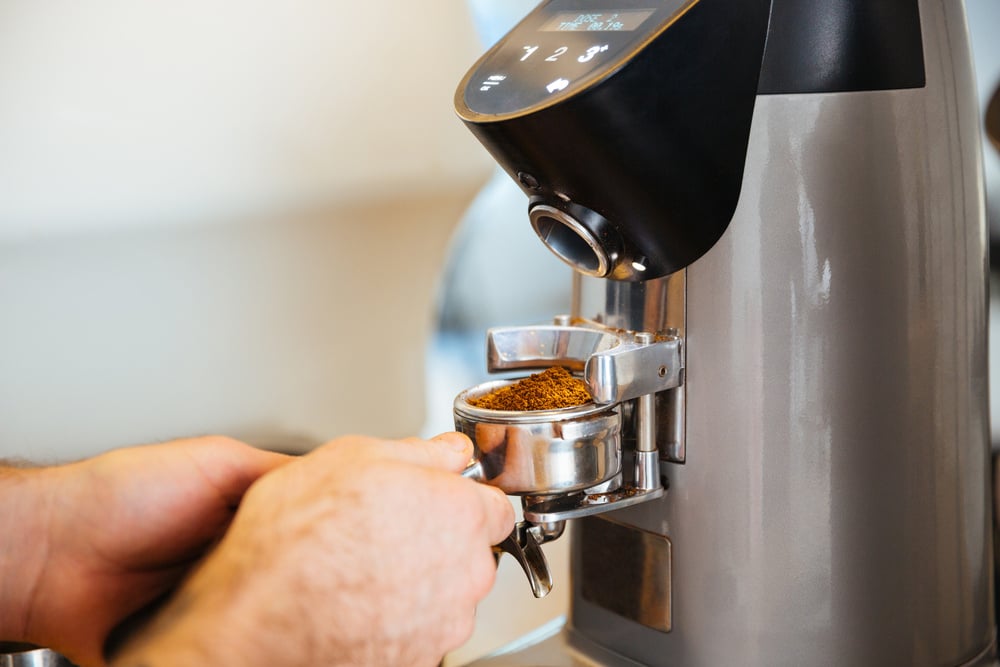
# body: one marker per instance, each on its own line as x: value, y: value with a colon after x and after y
x: 97, y: 540
x: 364, y: 552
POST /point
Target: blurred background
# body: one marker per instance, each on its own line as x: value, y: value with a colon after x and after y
x: 263, y: 219
x: 224, y: 217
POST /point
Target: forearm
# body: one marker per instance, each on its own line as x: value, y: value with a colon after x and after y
x: 24, y: 512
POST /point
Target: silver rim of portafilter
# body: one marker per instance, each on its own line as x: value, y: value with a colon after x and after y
x: 542, y: 452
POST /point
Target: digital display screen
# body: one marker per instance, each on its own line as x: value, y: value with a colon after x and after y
x: 622, y: 21
x: 561, y: 47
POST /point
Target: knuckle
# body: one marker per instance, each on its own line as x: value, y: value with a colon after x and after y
x: 221, y: 442
x: 464, y: 500
x: 459, y: 630
x: 503, y: 507
x: 226, y: 441
x: 501, y: 513
x: 483, y: 574
x: 464, y: 630
x: 347, y: 442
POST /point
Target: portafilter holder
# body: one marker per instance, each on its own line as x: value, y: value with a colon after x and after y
x: 541, y: 452
x: 568, y: 463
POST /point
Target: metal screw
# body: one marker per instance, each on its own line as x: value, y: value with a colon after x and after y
x: 528, y: 181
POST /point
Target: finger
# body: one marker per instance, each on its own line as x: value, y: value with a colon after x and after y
x: 448, y: 451
x: 499, y: 513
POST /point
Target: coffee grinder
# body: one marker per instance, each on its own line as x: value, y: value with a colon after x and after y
x: 775, y: 213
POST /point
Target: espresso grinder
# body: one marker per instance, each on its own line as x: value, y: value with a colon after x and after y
x: 775, y: 214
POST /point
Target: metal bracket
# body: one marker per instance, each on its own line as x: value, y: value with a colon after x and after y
x: 561, y: 508
x: 616, y: 366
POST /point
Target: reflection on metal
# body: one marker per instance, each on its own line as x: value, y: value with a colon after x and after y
x: 553, y: 645
x: 670, y: 435
x: 655, y: 306
x: 511, y: 348
x: 19, y: 655
x: 993, y: 119
x: 563, y: 508
x: 625, y: 570
x: 670, y: 429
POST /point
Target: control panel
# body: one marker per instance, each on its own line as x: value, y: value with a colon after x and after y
x: 562, y: 46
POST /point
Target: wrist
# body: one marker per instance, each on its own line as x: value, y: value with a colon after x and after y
x: 164, y: 637
x: 207, y: 621
x: 24, y: 523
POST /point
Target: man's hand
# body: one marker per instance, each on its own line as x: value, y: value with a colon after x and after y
x: 88, y: 544
x: 364, y: 552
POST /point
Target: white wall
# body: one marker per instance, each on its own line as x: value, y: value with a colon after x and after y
x: 284, y: 331
x: 223, y: 216
x: 124, y: 113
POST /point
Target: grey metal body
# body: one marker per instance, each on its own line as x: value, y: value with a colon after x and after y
x: 834, y: 504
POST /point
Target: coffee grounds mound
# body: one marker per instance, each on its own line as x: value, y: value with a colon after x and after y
x: 550, y: 390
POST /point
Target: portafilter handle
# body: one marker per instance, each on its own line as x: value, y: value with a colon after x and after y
x: 524, y: 543
x: 475, y: 471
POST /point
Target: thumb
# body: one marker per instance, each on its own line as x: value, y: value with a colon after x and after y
x: 448, y: 451
x: 229, y: 465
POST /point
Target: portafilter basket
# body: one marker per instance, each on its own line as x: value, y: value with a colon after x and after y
x: 542, y: 452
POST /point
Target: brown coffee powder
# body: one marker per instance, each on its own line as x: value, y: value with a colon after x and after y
x: 552, y: 389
